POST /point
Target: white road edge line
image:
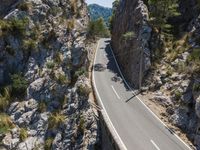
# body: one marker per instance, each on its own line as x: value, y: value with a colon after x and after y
x: 122, y: 144
x: 115, y: 92
x: 154, y: 144
x: 144, y: 103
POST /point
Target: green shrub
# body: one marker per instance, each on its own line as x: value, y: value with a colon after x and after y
x: 14, y: 26
x: 5, y: 99
x: 195, y: 55
x: 81, y: 126
x: 55, y: 120
x: 169, y: 71
x: 63, y: 100
x: 52, y: 36
x: 84, y: 90
x: 42, y: 106
x: 62, y: 79
x: 196, y: 87
x: 128, y: 36
x: 182, y: 67
x: 54, y: 10
x: 19, y: 85
x: 5, y: 123
x: 58, y: 57
x: 23, y: 134
x: 24, y: 6
x: 50, y: 64
x: 29, y: 45
x: 80, y: 72
x: 48, y: 143
x: 177, y: 95
x: 70, y: 25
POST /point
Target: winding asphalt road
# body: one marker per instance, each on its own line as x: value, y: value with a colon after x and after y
x: 136, y: 126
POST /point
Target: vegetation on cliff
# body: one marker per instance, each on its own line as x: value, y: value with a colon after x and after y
x: 44, y: 84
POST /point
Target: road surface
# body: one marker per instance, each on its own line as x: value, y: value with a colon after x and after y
x: 136, y: 126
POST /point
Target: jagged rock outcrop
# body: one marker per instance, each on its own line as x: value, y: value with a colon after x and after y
x: 6, y: 6
x: 173, y: 82
x: 130, y: 39
x: 42, y: 49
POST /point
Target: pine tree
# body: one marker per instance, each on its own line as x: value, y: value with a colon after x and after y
x: 97, y: 28
x: 161, y: 11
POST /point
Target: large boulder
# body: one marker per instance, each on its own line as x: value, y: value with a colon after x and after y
x: 35, y: 88
x: 180, y: 118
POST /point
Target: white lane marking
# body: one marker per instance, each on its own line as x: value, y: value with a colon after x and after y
x: 154, y: 144
x: 98, y: 95
x: 144, y: 103
x: 115, y: 92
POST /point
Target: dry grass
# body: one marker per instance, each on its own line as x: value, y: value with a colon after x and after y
x: 5, y: 99
x: 55, y: 120
x: 5, y: 123
x: 23, y: 134
x: 70, y: 24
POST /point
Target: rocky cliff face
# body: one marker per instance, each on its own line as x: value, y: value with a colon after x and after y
x: 173, y: 82
x: 130, y: 38
x: 43, y: 67
x: 6, y: 6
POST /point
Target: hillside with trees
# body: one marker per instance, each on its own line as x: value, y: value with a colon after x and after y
x: 97, y: 11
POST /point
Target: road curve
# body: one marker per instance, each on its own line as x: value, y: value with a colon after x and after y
x: 135, y: 125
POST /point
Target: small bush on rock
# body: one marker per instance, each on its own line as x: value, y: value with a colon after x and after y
x: 5, y: 99
x: 24, y: 6
x: 5, y: 123
x: 62, y: 79
x: 14, y: 26
x: 70, y: 25
x: 81, y: 126
x: 23, y: 134
x: 50, y: 64
x: 42, y: 107
x: 177, y: 95
x: 48, y: 143
x: 84, y: 90
x: 55, y: 120
x: 196, y: 87
x: 128, y: 36
x: 29, y: 45
x: 80, y: 72
x: 19, y: 85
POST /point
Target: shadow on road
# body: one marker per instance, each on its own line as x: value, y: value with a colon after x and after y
x: 170, y: 130
x: 99, y: 67
x: 130, y: 99
x: 112, y: 67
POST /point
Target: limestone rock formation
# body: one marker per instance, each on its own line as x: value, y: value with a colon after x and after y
x: 130, y: 39
x: 173, y: 78
x: 43, y: 59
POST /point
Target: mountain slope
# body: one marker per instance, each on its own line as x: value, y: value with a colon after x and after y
x: 44, y: 89
x: 165, y: 54
x: 97, y: 11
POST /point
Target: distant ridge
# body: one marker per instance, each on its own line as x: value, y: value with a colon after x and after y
x: 96, y: 11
